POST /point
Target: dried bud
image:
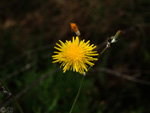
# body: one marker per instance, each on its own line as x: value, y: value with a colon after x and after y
x: 74, y: 28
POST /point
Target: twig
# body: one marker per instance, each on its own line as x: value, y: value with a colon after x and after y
x: 26, y: 53
x: 22, y: 69
x: 32, y: 85
x: 13, y: 98
x: 125, y: 76
x: 3, y: 90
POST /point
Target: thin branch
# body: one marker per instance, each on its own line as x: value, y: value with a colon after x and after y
x: 5, y: 92
x: 16, y: 72
x: 13, y: 98
x: 26, y: 53
x: 124, y: 76
x: 32, y: 85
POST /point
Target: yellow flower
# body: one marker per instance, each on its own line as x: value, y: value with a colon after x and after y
x: 75, y: 55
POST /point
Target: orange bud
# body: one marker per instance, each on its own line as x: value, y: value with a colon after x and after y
x: 74, y: 28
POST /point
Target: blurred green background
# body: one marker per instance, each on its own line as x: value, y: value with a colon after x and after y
x: 118, y: 83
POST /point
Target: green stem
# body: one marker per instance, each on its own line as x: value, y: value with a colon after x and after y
x: 75, y: 100
x: 14, y: 99
x: 99, y: 56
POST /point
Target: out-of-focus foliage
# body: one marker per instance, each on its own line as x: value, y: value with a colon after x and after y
x: 30, y: 28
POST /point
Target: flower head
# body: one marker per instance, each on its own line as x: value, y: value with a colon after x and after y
x: 75, y: 55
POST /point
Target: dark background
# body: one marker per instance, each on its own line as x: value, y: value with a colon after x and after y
x: 118, y: 83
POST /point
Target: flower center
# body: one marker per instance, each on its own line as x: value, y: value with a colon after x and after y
x: 74, y: 53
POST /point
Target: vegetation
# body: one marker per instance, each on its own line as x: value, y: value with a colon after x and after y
x: 119, y: 82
